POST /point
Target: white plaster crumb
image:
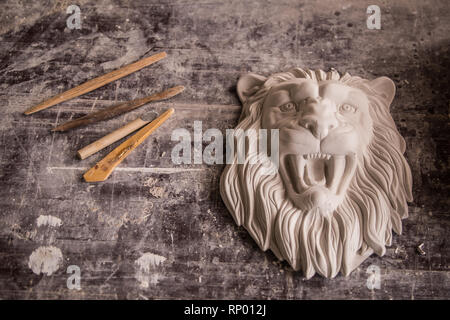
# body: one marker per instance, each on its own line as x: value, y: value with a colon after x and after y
x: 146, y: 263
x: 149, y: 260
x: 157, y: 192
x: 48, y: 220
x: 45, y: 260
x: 150, y: 182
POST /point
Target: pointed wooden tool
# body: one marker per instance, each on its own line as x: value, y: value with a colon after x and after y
x: 97, y: 82
x: 119, y: 109
x: 102, y: 170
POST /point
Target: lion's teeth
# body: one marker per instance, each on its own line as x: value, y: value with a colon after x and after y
x: 350, y: 167
x: 321, y: 169
x: 307, y: 177
x: 317, y: 155
x: 297, y: 166
x: 300, y: 161
x: 335, y: 169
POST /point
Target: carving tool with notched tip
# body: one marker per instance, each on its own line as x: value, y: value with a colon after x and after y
x: 119, y: 109
x: 97, y: 82
x: 102, y: 170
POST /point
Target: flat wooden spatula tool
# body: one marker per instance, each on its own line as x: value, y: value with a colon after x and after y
x: 102, y: 170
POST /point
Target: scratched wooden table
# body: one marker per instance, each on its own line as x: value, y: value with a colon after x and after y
x: 159, y: 230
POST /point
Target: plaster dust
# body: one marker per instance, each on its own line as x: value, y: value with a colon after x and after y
x: 145, y: 272
x: 47, y: 220
x: 46, y: 260
x: 157, y: 192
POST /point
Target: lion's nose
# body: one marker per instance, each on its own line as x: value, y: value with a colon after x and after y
x: 319, y: 122
x: 320, y: 128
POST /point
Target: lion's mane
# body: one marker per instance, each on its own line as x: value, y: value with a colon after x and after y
x: 374, y: 205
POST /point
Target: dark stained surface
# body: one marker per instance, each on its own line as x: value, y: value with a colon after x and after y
x: 149, y: 204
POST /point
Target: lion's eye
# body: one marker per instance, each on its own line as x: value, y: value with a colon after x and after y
x: 347, y: 108
x: 288, y: 107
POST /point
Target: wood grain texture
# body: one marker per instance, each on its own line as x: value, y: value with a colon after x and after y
x: 98, y: 82
x: 110, y: 138
x: 102, y: 170
x: 150, y: 204
x: 119, y: 109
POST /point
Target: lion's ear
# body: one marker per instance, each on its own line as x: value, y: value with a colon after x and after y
x: 248, y: 84
x: 384, y: 87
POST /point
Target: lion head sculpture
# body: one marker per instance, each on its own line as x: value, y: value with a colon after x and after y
x: 342, y: 183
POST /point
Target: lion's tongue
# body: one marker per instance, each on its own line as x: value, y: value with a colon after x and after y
x: 315, y: 172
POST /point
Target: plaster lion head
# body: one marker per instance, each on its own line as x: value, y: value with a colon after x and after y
x: 342, y: 183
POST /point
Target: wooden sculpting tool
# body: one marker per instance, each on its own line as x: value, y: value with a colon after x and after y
x: 118, y: 109
x: 111, y: 138
x: 104, y: 167
x: 97, y: 82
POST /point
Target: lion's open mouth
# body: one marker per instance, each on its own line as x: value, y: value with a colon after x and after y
x: 331, y: 171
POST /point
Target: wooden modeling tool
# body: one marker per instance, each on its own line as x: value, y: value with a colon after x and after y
x: 118, y: 109
x: 97, y: 82
x: 111, y: 138
x: 102, y: 170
